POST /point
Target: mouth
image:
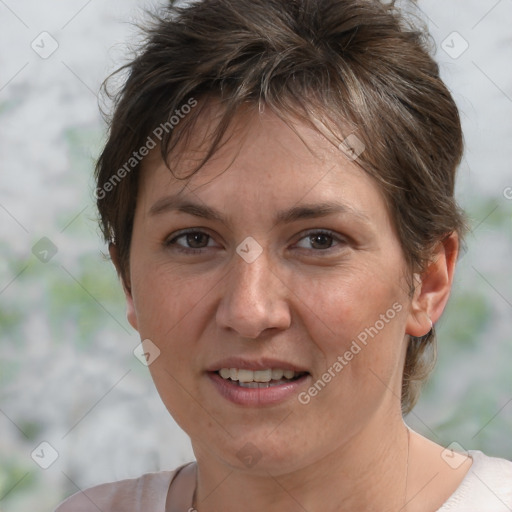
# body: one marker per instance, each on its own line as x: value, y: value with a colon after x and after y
x: 258, y: 388
x: 259, y: 379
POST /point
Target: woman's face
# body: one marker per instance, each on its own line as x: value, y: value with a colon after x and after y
x: 291, y: 263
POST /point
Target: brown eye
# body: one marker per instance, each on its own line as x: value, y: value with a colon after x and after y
x: 321, y: 240
x: 196, y: 239
x: 192, y: 241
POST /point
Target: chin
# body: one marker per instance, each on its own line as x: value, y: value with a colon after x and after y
x: 258, y: 454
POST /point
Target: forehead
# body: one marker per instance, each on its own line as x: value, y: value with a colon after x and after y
x: 262, y: 158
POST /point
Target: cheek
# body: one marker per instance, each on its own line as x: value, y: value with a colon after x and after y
x: 165, y: 299
x: 356, y: 320
x: 170, y: 311
x: 345, y: 304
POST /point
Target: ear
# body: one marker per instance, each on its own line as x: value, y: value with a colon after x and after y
x: 130, y: 309
x: 432, y: 288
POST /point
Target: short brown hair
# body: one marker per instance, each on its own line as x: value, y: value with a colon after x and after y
x: 358, y: 66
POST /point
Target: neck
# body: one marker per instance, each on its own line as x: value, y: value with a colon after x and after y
x: 369, y: 472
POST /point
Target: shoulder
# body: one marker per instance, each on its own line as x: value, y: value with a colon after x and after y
x: 147, y: 492
x: 487, y: 487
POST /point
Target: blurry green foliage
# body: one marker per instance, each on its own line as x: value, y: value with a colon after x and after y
x: 466, y: 317
x: 15, y: 477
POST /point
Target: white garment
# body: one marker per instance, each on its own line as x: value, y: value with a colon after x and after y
x: 487, y: 487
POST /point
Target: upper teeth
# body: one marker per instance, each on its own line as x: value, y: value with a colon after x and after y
x: 256, y: 376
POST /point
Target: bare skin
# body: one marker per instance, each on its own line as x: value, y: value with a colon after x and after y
x: 303, y: 300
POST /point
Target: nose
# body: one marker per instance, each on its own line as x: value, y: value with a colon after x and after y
x: 254, y: 299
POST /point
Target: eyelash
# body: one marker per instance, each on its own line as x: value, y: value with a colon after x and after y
x: 172, y: 242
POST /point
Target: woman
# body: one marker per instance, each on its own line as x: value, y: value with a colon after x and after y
x: 277, y: 191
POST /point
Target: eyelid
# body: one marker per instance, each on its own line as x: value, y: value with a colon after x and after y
x: 171, y: 240
x: 322, y: 231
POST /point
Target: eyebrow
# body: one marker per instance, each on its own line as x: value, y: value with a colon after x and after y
x: 300, y: 212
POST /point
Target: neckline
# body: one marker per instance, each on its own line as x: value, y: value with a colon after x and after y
x: 182, y: 487
x: 475, y: 456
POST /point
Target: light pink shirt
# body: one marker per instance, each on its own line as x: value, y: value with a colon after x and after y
x: 487, y: 487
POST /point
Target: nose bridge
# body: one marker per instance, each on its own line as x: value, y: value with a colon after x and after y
x: 253, y: 278
x: 253, y: 298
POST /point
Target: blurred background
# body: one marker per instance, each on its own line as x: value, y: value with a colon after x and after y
x: 77, y: 408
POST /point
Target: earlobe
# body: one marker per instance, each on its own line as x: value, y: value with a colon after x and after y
x: 130, y: 312
x: 130, y: 308
x: 433, y: 288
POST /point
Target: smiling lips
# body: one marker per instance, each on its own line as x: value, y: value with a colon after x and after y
x: 259, y: 378
x: 257, y: 382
